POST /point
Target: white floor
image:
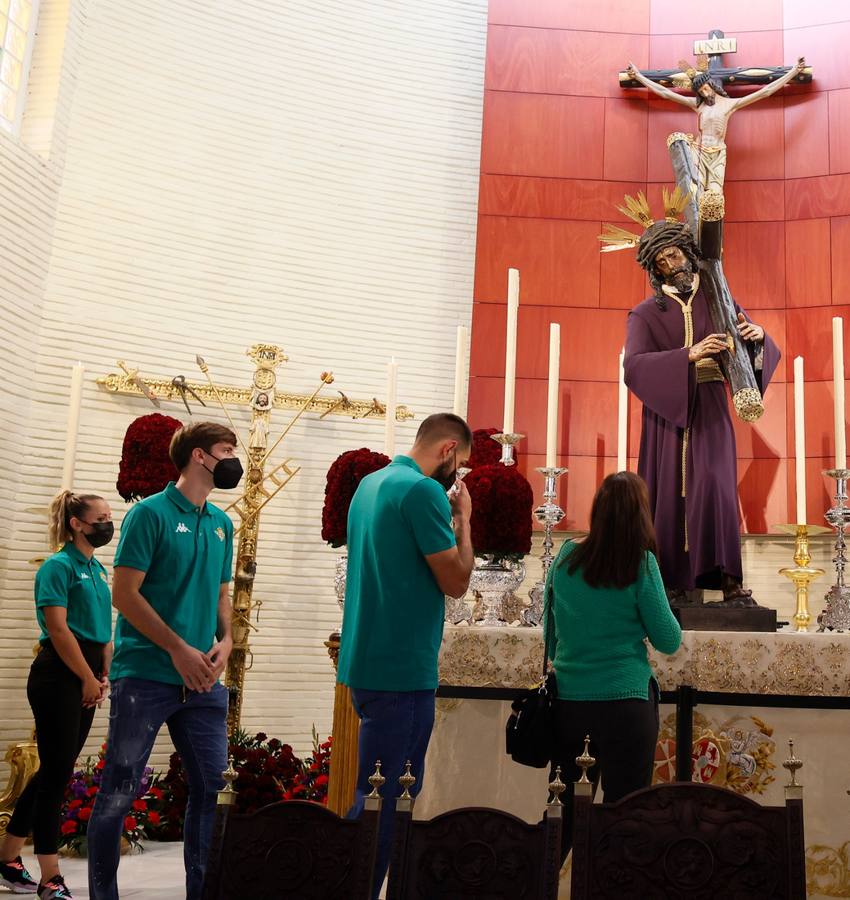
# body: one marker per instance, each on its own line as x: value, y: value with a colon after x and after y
x: 155, y: 874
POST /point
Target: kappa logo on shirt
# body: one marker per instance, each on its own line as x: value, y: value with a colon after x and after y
x: 83, y: 575
x: 103, y: 576
x: 182, y: 529
x: 220, y: 533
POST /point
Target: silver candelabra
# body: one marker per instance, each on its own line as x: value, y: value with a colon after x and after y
x: 836, y: 616
x: 548, y: 514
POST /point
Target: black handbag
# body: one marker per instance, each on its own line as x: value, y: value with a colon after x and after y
x: 529, y: 732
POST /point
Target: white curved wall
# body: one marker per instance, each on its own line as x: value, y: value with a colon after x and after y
x: 277, y: 171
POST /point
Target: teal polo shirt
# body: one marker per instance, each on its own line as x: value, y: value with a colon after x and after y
x: 186, y: 553
x: 80, y: 585
x: 392, y: 623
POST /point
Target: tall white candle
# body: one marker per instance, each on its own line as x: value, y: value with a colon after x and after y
x: 622, y: 417
x: 552, y: 406
x: 510, y: 350
x: 459, y: 405
x: 800, y: 440
x: 392, y: 402
x: 838, y: 382
x: 75, y: 402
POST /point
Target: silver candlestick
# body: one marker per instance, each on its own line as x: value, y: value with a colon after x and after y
x: 507, y: 441
x: 836, y: 616
x: 548, y: 514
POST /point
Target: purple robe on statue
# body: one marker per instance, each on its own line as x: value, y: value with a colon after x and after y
x: 657, y: 370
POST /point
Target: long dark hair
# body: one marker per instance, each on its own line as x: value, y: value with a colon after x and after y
x: 621, y: 531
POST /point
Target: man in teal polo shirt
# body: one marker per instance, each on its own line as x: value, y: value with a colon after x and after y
x: 172, y: 642
x: 408, y: 546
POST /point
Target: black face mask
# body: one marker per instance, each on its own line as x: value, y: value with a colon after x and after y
x: 446, y: 475
x: 226, y: 473
x: 101, y: 534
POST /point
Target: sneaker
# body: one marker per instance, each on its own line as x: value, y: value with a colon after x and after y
x: 13, y: 875
x: 54, y: 889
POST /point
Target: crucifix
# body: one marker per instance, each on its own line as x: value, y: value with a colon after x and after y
x: 700, y: 164
x: 261, y: 484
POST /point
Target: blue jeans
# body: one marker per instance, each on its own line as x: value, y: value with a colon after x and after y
x: 197, y: 724
x: 395, y: 726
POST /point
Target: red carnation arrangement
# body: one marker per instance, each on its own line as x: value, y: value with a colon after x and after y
x: 502, y: 502
x: 486, y: 451
x: 344, y: 475
x: 146, y: 467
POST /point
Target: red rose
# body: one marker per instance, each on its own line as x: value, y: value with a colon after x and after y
x: 344, y: 476
x: 130, y: 824
x: 157, y: 793
x: 85, y: 814
x: 146, y: 467
x: 100, y: 764
x: 91, y: 791
x: 485, y: 451
x: 154, y: 818
x: 502, y: 503
x: 140, y: 805
x: 69, y: 827
x: 74, y: 804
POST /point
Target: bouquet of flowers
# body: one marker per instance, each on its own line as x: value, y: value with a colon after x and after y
x: 79, y: 800
x: 266, y: 769
x: 502, y: 502
x: 344, y: 475
x: 485, y: 451
x: 146, y: 467
x: 311, y: 783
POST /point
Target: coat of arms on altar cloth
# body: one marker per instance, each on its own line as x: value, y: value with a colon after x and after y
x: 736, y: 754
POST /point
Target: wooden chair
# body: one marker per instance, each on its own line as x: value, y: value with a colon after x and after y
x: 293, y: 849
x: 475, y: 852
x: 687, y: 840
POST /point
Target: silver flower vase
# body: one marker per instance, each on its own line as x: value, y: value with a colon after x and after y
x: 340, y: 574
x: 494, y: 581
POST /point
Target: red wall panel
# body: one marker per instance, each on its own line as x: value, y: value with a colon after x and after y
x: 562, y: 144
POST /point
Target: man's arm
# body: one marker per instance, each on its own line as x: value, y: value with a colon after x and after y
x: 221, y: 649
x: 659, y: 89
x: 453, y: 567
x: 194, y: 667
x: 770, y: 89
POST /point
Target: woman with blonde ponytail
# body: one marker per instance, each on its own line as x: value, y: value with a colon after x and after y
x: 68, y: 680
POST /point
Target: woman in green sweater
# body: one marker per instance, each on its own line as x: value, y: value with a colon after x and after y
x: 604, y: 598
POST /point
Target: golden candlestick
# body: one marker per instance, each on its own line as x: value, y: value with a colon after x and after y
x: 802, y: 574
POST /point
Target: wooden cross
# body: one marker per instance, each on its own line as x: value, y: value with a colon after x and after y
x: 715, y: 47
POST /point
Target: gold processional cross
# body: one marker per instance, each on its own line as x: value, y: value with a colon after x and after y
x: 260, y: 486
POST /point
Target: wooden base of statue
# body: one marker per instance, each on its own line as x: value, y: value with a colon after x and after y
x: 714, y: 618
x: 346, y: 733
x: 23, y: 762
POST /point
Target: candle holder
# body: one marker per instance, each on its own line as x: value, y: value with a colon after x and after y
x: 507, y: 441
x: 548, y: 514
x: 836, y: 616
x: 802, y: 574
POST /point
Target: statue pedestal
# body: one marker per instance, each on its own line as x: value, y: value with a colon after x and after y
x: 714, y: 618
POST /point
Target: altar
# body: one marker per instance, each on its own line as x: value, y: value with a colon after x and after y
x: 745, y: 694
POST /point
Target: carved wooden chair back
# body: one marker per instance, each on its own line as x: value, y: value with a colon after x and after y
x: 688, y: 840
x: 293, y: 849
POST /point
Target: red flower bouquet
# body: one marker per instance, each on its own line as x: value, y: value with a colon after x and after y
x: 344, y: 475
x: 266, y: 768
x: 486, y: 451
x: 502, y: 502
x: 146, y: 467
x: 312, y: 782
x: 79, y: 800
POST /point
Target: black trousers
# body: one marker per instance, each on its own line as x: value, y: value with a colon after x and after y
x: 623, y: 736
x: 62, y: 726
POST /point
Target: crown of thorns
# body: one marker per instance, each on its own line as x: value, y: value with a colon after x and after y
x: 657, y: 235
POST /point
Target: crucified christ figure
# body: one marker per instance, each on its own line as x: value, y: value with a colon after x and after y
x: 713, y: 107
